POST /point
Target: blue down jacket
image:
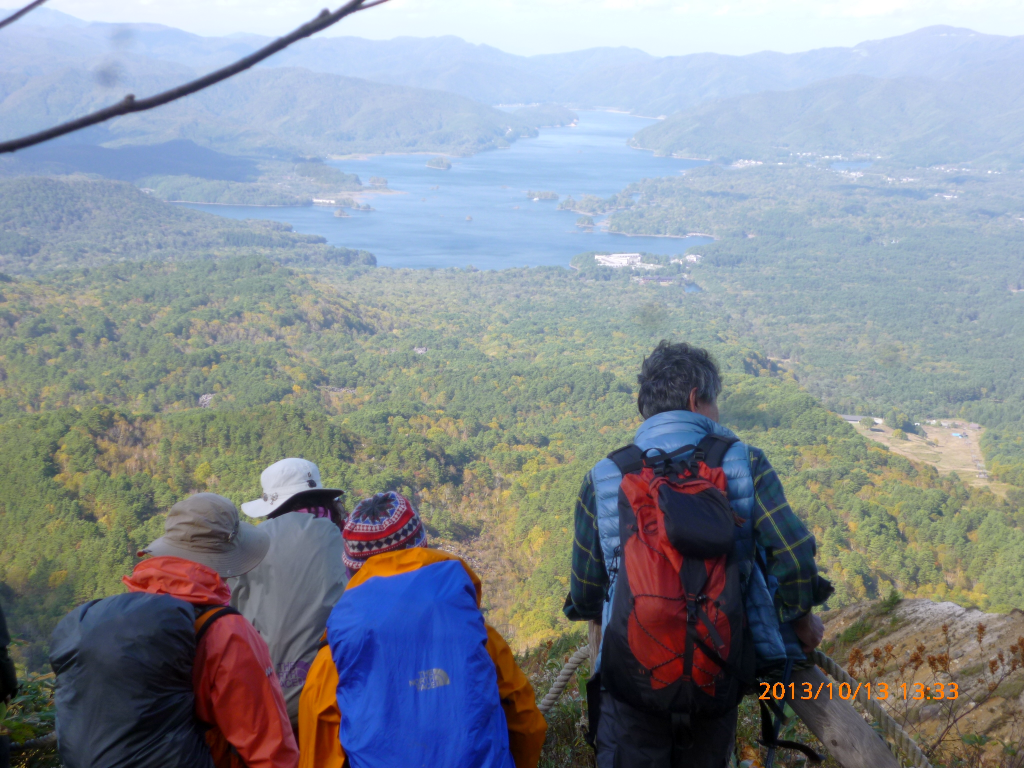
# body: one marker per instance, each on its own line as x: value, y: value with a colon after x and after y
x: 668, y: 431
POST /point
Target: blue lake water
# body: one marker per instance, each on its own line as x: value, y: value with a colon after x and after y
x: 478, y: 213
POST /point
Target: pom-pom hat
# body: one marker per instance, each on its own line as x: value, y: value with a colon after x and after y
x: 382, y: 523
x: 285, y: 480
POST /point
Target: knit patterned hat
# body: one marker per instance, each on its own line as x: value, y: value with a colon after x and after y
x: 383, y: 523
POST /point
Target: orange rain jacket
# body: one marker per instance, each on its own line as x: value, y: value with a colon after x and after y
x: 319, y: 718
x: 235, y: 685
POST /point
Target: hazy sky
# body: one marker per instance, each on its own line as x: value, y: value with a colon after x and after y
x: 661, y: 27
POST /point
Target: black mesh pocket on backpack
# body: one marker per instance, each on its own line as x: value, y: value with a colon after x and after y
x: 699, y: 525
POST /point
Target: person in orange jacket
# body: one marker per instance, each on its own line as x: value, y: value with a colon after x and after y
x: 236, y: 689
x: 392, y: 543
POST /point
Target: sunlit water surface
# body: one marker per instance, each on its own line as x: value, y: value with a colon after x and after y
x: 478, y: 212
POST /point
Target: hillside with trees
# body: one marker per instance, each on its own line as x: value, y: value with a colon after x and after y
x: 485, y: 396
x: 78, y: 222
x: 877, y: 289
x: 149, y: 351
x: 275, y: 112
x: 906, y: 121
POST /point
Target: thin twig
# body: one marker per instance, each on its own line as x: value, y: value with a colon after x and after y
x: 130, y: 104
x: 18, y: 14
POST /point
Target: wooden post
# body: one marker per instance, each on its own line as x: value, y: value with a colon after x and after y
x: 594, y: 638
x: 840, y: 727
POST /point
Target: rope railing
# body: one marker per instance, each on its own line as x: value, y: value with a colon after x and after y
x: 563, y: 678
x: 900, y: 739
x: 46, y: 740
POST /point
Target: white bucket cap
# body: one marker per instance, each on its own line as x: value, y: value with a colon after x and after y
x: 284, y: 481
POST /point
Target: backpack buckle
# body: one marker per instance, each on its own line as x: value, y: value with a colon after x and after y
x: 661, y: 462
x: 665, y: 469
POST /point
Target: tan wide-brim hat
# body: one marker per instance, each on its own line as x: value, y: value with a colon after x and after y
x: 205, y: 528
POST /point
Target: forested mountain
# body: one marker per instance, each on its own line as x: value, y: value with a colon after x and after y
x: 622, y: 78
x: 48, y: 39
x: 278, y: 112
x: 875, y: 290
x: 486, y: 396
x: 939, y: 95
x: 915, y: 122
x: 50, y: 223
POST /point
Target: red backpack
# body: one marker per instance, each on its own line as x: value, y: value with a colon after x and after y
x: 677, y: 639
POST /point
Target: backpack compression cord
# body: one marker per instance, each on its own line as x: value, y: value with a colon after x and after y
x: 677, y: 641
x: 676, y: 638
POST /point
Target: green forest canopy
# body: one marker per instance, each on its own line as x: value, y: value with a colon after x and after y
x: 910, y: 121
x: 527, y: 379
x: 270, y: 112
x: 78, y: 222
x: 876, y: 289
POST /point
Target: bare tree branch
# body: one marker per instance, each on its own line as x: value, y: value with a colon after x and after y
x: 18, y: 14
x: 130, y: 104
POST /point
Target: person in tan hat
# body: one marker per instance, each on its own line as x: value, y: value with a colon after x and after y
x: 290, y: 594
x: 236, y: 689
x: 205, y: 528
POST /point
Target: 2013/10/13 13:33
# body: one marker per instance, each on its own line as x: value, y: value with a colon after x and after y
x: 845, y: 691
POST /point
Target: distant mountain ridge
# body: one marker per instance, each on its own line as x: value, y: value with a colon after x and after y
x: 913, y: 121
x: 937, y: 95
x: 298, y: 111
x: 621, y: 78
x: 279, y: 112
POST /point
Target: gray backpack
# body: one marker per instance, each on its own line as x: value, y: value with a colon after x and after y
x: 124, y: 693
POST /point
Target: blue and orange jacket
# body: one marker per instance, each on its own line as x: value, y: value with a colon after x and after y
x: 320, y: 718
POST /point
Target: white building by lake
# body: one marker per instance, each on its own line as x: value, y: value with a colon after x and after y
x: 623, y: 260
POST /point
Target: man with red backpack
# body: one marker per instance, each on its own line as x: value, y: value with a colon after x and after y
x: 167, y: 675
x: 702, y: 578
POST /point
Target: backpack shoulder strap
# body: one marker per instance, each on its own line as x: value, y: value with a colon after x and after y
x: 628, y: 459
x: 712, y: 449
x: 207, y: 615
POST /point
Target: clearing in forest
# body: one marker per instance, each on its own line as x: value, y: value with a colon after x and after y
x: 936, y: 445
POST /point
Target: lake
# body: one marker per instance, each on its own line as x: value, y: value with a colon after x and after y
x: 478, y: 213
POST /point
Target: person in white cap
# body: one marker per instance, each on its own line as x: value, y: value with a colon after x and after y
x: 290, y: 594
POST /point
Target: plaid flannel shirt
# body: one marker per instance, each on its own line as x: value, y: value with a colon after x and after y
x: 789, y: 547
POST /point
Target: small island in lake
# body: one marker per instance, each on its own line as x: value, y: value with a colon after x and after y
x: 585, y: 222
x: 439, y: 163
x: 355, y: 205
x: 541, y: 195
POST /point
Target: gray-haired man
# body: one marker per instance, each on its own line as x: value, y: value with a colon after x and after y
x: 679, y: 388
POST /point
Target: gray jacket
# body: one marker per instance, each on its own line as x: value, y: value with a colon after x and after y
x: 289, y: 595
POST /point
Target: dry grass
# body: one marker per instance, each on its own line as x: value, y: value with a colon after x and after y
x: 937, y: 446
x: 919, y: 643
